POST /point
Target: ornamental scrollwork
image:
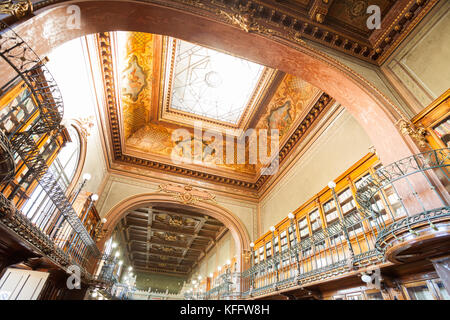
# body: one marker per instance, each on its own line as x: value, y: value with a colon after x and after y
x: 417, y: 133
x: 18, y: 8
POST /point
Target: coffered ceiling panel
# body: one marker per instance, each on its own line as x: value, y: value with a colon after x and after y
x: 167, y: 239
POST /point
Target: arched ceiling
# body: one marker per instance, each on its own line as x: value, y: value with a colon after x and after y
x: 166, y: 238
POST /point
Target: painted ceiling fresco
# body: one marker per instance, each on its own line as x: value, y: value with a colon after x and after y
x: 139, y: 61
x: 135, y: 62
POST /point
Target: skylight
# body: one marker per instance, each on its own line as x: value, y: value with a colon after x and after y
x: 212, y: 84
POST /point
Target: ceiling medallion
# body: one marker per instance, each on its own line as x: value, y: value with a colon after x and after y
x: 18, y: 8
x: 167, y: 249
x: 186, y: 194
x: 176, y: 221
x: 357, y: 8
x: 169, y: 237
x: 213, y: 79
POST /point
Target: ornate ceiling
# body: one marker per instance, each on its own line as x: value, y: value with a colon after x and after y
x: 155, y: 84
x: 167, y: 239
x: 338, y: 24
x: 147, y: 76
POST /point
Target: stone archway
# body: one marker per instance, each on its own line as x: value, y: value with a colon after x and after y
x: 50, y: 28
x: 234, y: 225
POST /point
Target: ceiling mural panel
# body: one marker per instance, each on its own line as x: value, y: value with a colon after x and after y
x: 289, y: 102
x: 135, y: 62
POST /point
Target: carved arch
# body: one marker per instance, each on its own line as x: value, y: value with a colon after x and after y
x: 189, y: 21
x: 229, y: 219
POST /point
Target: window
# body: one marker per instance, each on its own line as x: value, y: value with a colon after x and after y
x: 39, y: 208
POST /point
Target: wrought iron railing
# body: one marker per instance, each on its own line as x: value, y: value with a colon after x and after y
x: 7, y: 163
x: 415, y: 207
x: 16, y: 221
x: 62, y: 225
x: 357, y: 239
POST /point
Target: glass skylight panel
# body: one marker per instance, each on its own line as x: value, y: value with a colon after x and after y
x: 212, y: 84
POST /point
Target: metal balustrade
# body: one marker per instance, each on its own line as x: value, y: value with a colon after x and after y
x: 413, y: 210
x: 61, y: 225
x: 359, y: 239
x: 7, y: 164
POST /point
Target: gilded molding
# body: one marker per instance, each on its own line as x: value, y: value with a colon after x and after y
x: 17, y: 8
x: 187, y: 194
x: 267, y: 18
x: 418, y: 133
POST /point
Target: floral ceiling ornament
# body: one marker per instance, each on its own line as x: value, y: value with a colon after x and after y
x: 86, y: 125
x: 417, y: 133
x: 176, y: 221
x: 246, y: 18
x: 169, y: 237
x: 18, y: 8
x: 187, y: 194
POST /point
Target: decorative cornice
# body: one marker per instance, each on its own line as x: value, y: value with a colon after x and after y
x: 270, y: 20
x: 276, y: 20
x: 296, y: 136
x: 187, y: 194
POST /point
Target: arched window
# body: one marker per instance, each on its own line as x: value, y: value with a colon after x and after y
x: 40, y: 207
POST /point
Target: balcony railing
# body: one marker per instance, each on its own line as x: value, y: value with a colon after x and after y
x: 358, y: 240
x: 7, y: 164
x: 61, y: 233
x: 415, y: 208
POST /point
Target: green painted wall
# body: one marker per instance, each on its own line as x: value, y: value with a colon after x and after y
x: 158, y: 282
